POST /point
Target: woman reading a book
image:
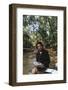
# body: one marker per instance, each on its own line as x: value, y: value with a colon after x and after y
x: 42, y: 59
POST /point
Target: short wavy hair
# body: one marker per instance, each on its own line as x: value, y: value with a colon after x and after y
x: 39, y: 43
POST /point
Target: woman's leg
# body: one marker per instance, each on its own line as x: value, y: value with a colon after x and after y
x: 34, y: 70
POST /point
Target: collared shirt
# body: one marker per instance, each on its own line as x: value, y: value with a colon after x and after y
x: 43, y: 57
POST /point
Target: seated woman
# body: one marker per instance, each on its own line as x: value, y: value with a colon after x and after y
x: 42, y: 59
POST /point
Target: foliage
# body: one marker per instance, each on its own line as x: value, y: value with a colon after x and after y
x: 40, y: 28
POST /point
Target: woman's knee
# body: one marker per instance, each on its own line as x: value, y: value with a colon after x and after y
x: 34, y: 70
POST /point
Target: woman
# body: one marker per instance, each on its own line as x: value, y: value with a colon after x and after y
x: 42, y: 59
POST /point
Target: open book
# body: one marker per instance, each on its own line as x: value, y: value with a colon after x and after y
x: 38, y: 64
x: 48, y: 70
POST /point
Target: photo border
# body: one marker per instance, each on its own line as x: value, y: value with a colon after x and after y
x: 13, y: 39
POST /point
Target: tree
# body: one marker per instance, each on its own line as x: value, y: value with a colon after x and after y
x: 42, y: 28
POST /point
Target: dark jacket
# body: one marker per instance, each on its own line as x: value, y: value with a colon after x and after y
x: 43, y: 58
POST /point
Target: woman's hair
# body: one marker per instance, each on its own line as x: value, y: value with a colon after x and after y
x: 39, y: 43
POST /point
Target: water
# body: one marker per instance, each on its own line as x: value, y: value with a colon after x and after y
x: 28, y: 59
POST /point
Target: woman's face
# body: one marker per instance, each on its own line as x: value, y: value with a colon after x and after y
x: 39, y: 47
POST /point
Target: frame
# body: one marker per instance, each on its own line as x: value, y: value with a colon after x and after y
x: 14, y: 10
